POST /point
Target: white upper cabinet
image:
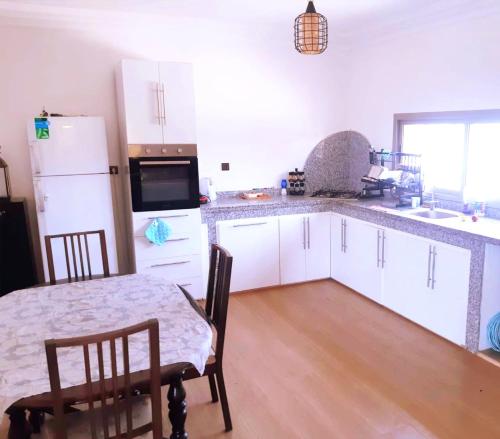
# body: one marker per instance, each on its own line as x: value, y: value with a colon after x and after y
x: 158, y: 102
x: 177, y: 103
x: 304, y: 247
x: 254, y: 245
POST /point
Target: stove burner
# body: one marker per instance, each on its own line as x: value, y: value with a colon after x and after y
x: 327, y: 193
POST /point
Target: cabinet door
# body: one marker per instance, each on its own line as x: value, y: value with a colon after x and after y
x: 449, y: 291
x: 254, y: 244
x: 318, y: 246
x: 293, y: 242
x: 177, y: 100
x: 340, y: 270
x: 141, y: 94
x: 363, y: 246
x: 407, y: 275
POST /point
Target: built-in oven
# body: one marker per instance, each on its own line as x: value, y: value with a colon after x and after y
x: 163, y: 177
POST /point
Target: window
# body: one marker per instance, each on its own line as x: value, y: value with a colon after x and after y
x: 460, y: 152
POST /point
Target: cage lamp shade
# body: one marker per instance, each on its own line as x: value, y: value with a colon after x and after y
x: 311, y: 32
x: 4, y: 180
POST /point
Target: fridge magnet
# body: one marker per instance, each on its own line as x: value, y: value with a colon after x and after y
x: 42, y: 128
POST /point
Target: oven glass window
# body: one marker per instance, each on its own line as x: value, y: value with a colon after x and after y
x: 164, y: 183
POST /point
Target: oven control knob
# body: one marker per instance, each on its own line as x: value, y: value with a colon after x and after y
x: 148, y: 150
x: 179, y: 150
x: 164, y: 150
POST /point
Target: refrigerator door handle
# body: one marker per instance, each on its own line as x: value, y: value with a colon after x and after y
x: 41, y: 198
x: 164, y: 108
x: 36, y: 159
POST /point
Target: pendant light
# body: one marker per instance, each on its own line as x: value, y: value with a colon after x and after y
x: 311, y: 32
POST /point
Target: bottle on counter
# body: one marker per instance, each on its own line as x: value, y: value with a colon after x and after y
x: 283, y: 187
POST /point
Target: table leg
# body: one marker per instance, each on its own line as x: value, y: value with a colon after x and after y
x: 19, y: 426
x: 177, y: 407
x: 36, y: 419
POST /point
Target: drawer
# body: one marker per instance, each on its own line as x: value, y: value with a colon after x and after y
x: 172, y: 269
x: 182, y: 222
x: 175, y: 246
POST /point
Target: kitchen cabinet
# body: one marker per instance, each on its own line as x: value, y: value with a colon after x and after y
x: 157, y: 102
x: 427, y: 282
x: 254, y: 245
x: 178, y: 260
x: 17, y: 268
x: 357, y: 255
x: 304, y: 247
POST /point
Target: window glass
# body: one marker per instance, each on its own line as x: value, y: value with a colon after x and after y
x: 483, y: 162
x: 442, y: 146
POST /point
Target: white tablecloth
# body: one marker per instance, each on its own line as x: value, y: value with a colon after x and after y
x: 28, y: 317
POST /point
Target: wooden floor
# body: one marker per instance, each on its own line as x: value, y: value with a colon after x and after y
x: 319, y: 361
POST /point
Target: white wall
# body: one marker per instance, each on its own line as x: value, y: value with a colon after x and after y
x: 260, y: 105
x: 452, y: 66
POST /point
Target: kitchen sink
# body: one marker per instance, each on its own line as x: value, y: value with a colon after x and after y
x: 434, y: 214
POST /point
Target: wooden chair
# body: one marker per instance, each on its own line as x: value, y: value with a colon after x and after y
x: 118, y: 389
x: 80, y: 256
x: 215, y: 312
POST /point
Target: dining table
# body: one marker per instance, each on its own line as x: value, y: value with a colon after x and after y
x: 29, y: 317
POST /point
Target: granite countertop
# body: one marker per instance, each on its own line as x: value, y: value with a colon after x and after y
x: 487, y: 229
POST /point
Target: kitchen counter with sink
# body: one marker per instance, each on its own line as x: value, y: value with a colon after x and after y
x: 440, y: 225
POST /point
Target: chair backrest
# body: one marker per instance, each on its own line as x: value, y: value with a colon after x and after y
x: 115, y: 388
x: 77, y: 255
x: 219, y: 282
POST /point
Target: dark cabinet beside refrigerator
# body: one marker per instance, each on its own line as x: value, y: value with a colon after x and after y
x: 17, y: 269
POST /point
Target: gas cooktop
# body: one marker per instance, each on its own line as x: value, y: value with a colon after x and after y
x: 327, y: 193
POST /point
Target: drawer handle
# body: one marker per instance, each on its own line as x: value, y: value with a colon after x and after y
x: 177, y: 239
x: 248, y: 225
x: 166, y: 216
x: 169, y: 263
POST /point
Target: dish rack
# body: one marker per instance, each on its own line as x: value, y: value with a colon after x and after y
x: 405, y: 180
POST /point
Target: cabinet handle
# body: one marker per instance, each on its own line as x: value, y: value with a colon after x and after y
x: 169, y: 263
x: 378, y: 248
x: 342, y: 235
x: 177, y: 239
x: 434, y: 254
x: 166, y: 216
x: 158, y: 102
x: 164, y: 162
x: 308, y: 234
x: 163, y: 104
x: 383, y: 248
x: 248, y: 225
x: 345, y: 236
x: 184, y: 285
x: 304, y: 232
x: 429, y: 267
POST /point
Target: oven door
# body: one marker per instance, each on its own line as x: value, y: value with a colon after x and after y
x: 161, y: 183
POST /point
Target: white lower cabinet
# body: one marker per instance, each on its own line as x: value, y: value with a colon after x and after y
x: 424, y: 280
x: 304, y: 247
x: 254, y: 245
x: 357, y: 257
x: 179, y: 259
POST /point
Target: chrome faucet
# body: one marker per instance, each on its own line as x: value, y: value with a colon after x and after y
x: 433, y: 202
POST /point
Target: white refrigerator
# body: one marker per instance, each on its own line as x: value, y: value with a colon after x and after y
x: 72, y: 185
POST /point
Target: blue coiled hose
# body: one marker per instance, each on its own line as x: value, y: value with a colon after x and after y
x: 493, y: 331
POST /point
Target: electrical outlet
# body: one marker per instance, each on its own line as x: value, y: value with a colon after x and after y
x: 224, y: 166
x: 113, y: 170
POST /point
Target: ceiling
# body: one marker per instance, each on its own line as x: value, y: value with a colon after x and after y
x: 348, y: 19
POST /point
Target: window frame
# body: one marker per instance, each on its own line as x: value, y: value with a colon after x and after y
x: 464, y: 117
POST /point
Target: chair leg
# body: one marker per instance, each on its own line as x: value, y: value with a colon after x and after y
x: 213, y: 388
x: 223, y: 400
x: 36, y: 419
